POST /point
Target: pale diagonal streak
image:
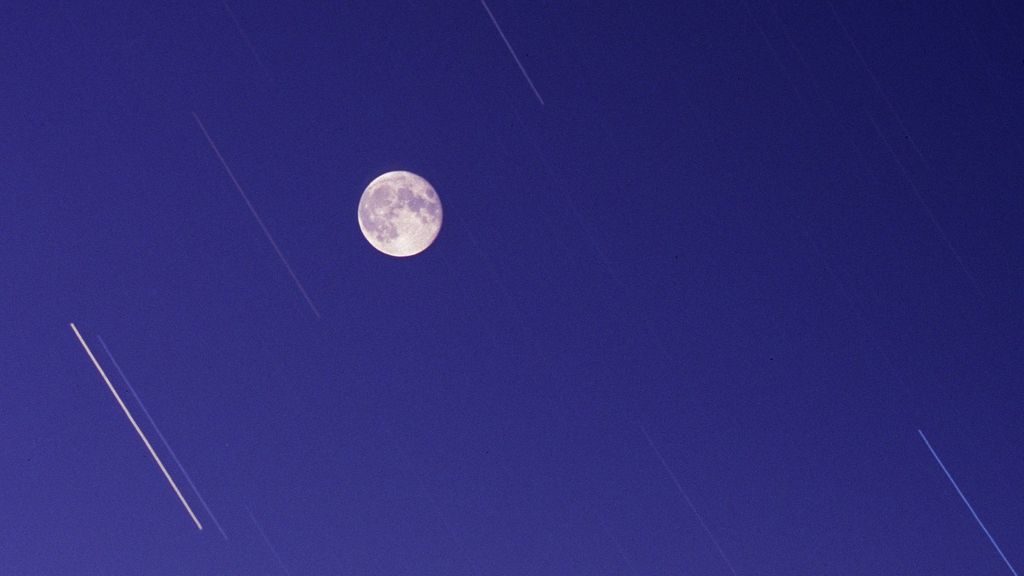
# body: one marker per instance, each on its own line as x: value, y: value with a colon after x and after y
x: 689, y: 502
x: 245, y: 38
x: 267, y: 541
x: 256, y: 215
x: 160, y: 435
x: 878, y: 85
x: 927, y: 209
x: 969, y: 507
x: 513, y: 52
x: 136, y: 426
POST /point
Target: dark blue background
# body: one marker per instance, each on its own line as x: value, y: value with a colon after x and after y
x: 702, y: 233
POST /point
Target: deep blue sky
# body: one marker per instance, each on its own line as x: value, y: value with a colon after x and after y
x: 778, y: 241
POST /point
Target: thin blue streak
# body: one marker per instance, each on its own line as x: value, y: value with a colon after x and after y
x: 162, y: 439
x: 969, y: 507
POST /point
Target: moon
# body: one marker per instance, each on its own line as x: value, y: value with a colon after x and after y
x: 400, y: 213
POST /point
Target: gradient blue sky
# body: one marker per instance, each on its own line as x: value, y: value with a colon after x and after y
x: 779, y: 241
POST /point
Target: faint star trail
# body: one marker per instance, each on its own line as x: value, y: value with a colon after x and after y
x: 775, y: 54
x: 160, y: 435
x: 688, y: 501
x: 136, y: 426
x: 927, y: 209
x: 463, y: 550
x: 245, y: 38
x: 618, y: 546
x: 969, y: 507
x: 513, y: 52
x: 985, y: 64
x: 878, y: 85
x: 256, y: 215
x: 267, y: 540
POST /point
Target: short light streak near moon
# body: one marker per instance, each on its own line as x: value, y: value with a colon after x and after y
x: 136, y: 426
x: 969, y: 507
x: 689, y: 502
x: 513, y: 52
x: 160, y: 435
x: 256, y: 215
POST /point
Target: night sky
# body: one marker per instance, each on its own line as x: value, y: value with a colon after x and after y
x: 691, y: 304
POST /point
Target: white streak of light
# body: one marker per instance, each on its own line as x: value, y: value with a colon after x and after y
x: 688, y: 501
x: 136, y: 426
x: 161, y: 436
x: 259, y: 220
x: 969, y: 507
x: 513, y: 52
x: 267, y: 540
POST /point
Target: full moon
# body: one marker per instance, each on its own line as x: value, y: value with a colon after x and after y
x: 400, y: 213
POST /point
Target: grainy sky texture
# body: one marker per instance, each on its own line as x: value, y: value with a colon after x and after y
x: 706, y: 270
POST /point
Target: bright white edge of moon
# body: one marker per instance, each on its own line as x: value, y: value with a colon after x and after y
x: 400, y: 213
